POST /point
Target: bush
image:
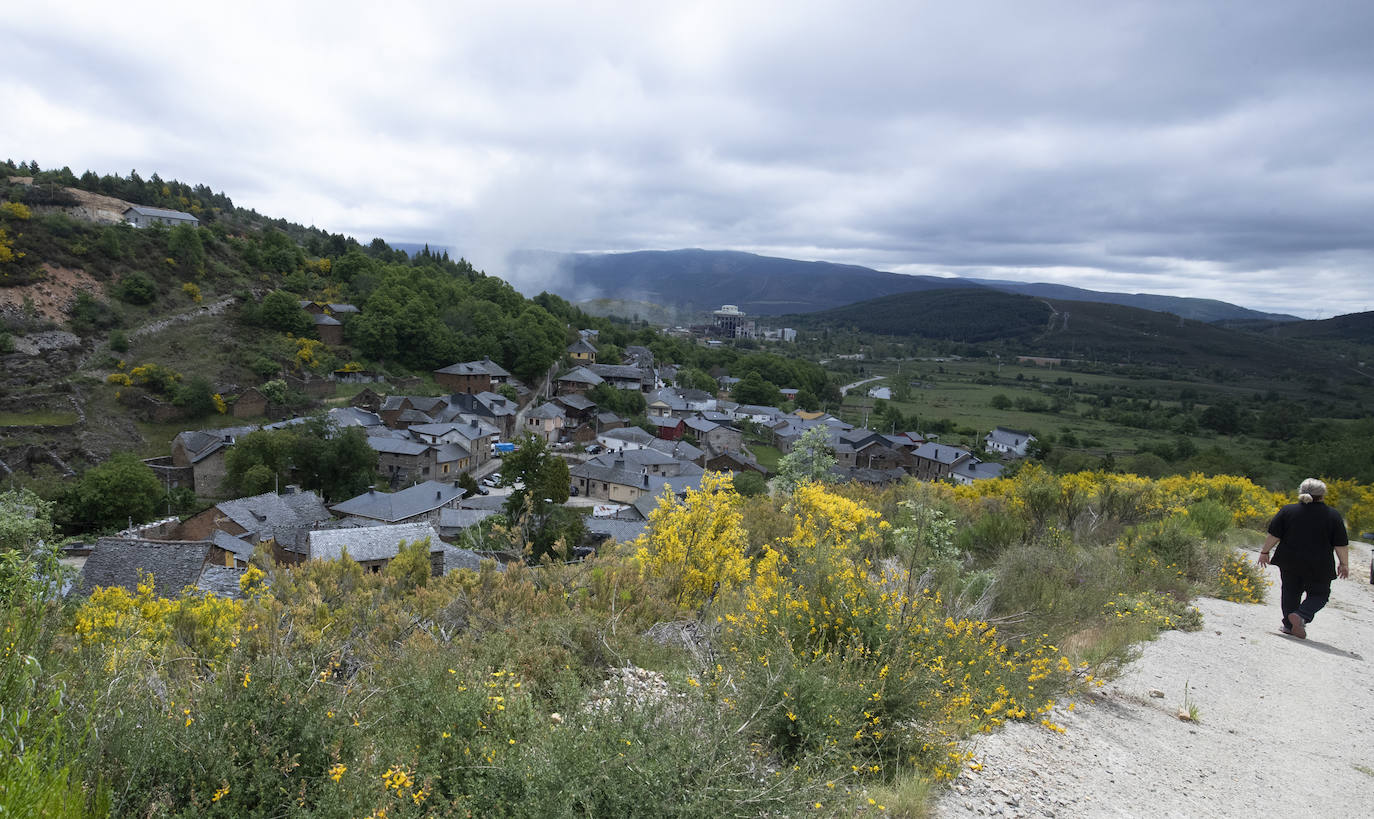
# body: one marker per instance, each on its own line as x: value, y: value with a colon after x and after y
x: 136, y: 288
x: 89, y: 315
x: 119, y: 341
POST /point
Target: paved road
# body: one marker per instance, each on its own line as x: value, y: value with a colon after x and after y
x: 847, y: 387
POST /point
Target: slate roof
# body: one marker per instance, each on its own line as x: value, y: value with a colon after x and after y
x: 622, y: 531
x: 242, y: 549
x: 976, y: 470
x: 622, y: 372
x: 465, y: 558
x: 222, y: 581
x: 397, y: 506
x: 328, y: 321
x: 412, y: 417
x: 576, y: 401
x: 680, y: 450
x: 280, y: 517
x: 940, y: 453
x: 396, y: 446
x: 484, y: 367
x: 633, y: 435
x: 701, y: 425
x: 463, y: 518
x: 202, y: 443
x: 546, y: 411
x: 634, y: 458
x: 342, y: 308
x: 582, y: 346
x: 620, y: 475
x: 354, y: 417
x: 1011, y: 438
x: 608, y: 418
x: 370, y: 542
x: 448, y: 453
x: 581, y: 375
x: 116, y: 561
x: 494, y: 503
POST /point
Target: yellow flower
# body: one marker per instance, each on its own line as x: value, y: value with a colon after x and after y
x: 336, y: 771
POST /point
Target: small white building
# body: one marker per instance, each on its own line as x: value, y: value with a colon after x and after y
x: 142, y: 216
x: 1010, y: 443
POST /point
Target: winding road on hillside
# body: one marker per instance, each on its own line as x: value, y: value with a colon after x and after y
x: 1285, y: 726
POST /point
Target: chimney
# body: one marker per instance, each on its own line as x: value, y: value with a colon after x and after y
x: 438, y: 494
x: 646, y: 480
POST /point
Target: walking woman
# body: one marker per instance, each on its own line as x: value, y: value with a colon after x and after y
x: 1307, y: 534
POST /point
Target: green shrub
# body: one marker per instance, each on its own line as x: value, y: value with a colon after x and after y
x: 137, y: 288
x: 119, y: 341
x: 1210, y: 518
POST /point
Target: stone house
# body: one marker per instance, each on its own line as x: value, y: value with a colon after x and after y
x: 471, y: 377
x: 251, y: 403
x: 576, y: 380
x: 203, y: 451
x: 935, y: 462
x: 714, y: 437
x: 546, y: 421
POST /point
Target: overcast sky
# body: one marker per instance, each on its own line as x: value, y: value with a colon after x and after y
x: 1210, y: 149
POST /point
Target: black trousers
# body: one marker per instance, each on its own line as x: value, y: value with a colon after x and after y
x: 1303, y: 592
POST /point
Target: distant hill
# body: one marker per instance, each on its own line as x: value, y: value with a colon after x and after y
x: 1069, y: 329
x: 1353, y: 327
x: 1209, y: 310
x: 702, y: 280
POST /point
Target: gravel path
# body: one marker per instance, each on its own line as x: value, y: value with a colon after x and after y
x: 1286, y: 726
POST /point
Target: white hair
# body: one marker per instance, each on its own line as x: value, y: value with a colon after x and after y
x: 1311, y: 489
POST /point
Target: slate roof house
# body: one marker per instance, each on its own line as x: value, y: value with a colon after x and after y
x: 471, y: 377
x: 577, y: 380
x: 973, y: 470
x: 419, y: 503
x: 236, y: 527
x: 499, y: 410
x: 625, y: 377
x: 546, y: 421
x: 622, y: 482
x: 1010, y: 443
x: 935, y: 462
x: 203, y: 451
x: 582, y: 351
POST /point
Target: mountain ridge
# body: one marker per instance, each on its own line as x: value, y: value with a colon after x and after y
x: 702, y: 280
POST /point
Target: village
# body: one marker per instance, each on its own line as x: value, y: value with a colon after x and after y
x: 439, y: 458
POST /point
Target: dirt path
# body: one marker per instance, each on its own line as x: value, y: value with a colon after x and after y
x: 1286, y: 726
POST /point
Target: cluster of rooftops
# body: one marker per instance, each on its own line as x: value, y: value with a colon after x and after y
x: 424, y: 443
